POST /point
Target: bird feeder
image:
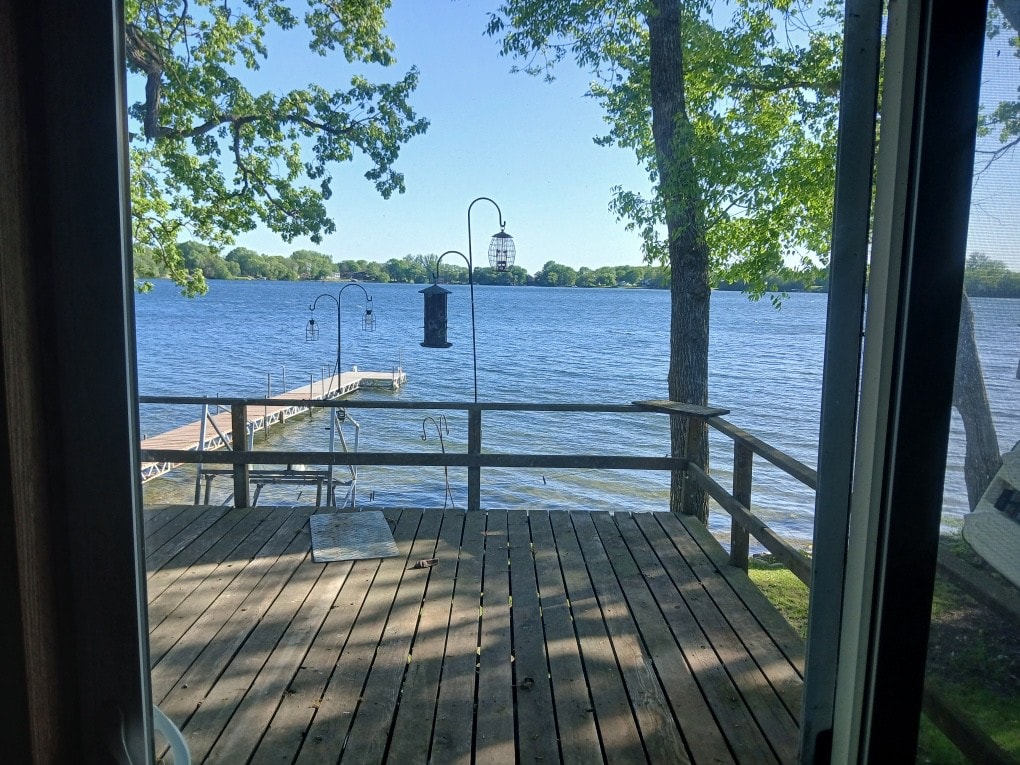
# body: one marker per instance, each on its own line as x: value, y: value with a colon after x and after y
x: 435, y: 317
x: 502, y: 251
x: 368, y: 320
x: 311, y: 331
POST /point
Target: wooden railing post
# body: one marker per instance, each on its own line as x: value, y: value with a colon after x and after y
x: 695, y: 426
x: 474, y: 447
x: 743, y: 459
x: 239, y: 441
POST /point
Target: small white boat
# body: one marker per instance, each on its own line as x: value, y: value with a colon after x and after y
x: 993, y: 528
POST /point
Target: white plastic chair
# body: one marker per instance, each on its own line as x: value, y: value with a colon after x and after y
x: 178, y: 746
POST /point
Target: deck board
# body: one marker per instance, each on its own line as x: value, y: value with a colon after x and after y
x: 532, y: 687
x: 536, y: 637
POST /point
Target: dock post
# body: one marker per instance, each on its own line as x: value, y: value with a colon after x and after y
x: 743, y: 460
x: 474, y: 447
x: 239, y: 436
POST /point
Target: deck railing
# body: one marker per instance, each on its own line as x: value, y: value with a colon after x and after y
x: 736, y: 503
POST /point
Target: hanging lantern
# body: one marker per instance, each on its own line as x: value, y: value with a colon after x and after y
x: 368, y: 320
x: 435, y: 317
x: 311, y: 331
x: 502, y: 251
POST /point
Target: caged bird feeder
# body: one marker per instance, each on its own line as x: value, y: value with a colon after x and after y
x: 501, y: 257
x: 502, y: 251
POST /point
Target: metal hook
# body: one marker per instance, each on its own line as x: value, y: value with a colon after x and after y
x: 441, y: 424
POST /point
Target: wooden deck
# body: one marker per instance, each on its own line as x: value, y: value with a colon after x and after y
x: 538, y: 637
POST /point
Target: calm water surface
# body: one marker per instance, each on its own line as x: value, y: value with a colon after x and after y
x: 536, y: 345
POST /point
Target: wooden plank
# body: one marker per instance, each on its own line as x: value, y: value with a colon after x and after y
x: 181, y: 679
x: 298, y: 614
x: 210, y: 692
x: 743, y: 467
x: 412, y: 729
x: 370, y: 731
x: 158, y: 516
x: 177, y: 530
x: 783, y: 550
x: 422, y: 459
x: 681, y: 409
x: 174, y: 560
x: 758, y: 728
x: 531, y: 673
x: 691, y: 571
x: 303, y: 694
x: 684, y: 530
x: 618, y: 727
x: 205, y: 612
x: 701, y: 694
x: 662, y: 739
x: 239, y: 443
x: 806, y: 475
x: 315, y: 402
x: 573, y: 704
x: 494, y: 730
x: 212, y: 572
x: 326, y: 736
x: 452, y: 737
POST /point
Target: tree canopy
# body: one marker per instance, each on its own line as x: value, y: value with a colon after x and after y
x: 212, y: 158
x: 734, y: 118
x: 760, y: 90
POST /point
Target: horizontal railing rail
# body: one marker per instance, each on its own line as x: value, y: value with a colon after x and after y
x: 736, y: 503
x: 423, y: 459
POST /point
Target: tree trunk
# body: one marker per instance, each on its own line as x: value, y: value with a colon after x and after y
x: 688, y: 250
x: 982, y: 460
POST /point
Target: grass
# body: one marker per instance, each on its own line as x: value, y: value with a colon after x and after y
x: 783, y: 589
x: 973, y: 656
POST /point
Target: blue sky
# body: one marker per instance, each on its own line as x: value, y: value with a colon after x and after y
x: 995, y: 199
x: 524, y: 143
x: 528, y: 145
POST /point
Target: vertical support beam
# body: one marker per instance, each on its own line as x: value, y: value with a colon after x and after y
x: 238, y: 435
x: 743, y: 461
x: 926, y: 165
x: 851, y: 244
x: 692, y: 444
x: 474, y: 447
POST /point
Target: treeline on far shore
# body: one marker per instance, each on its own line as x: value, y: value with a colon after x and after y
x: 984, y: 276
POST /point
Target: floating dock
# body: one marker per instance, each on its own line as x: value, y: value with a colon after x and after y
x: 213, y: 431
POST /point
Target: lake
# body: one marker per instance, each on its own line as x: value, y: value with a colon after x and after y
x: 535, y: 344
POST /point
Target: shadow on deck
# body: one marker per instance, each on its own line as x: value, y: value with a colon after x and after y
x: 537, y: 637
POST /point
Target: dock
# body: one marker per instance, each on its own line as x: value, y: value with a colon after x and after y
x: 213, y: 430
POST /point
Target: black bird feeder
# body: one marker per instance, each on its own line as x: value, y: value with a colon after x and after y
x: 435, y: 317
x: 501, y: 256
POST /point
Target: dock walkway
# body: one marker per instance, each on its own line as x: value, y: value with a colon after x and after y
x: 216, y: 434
